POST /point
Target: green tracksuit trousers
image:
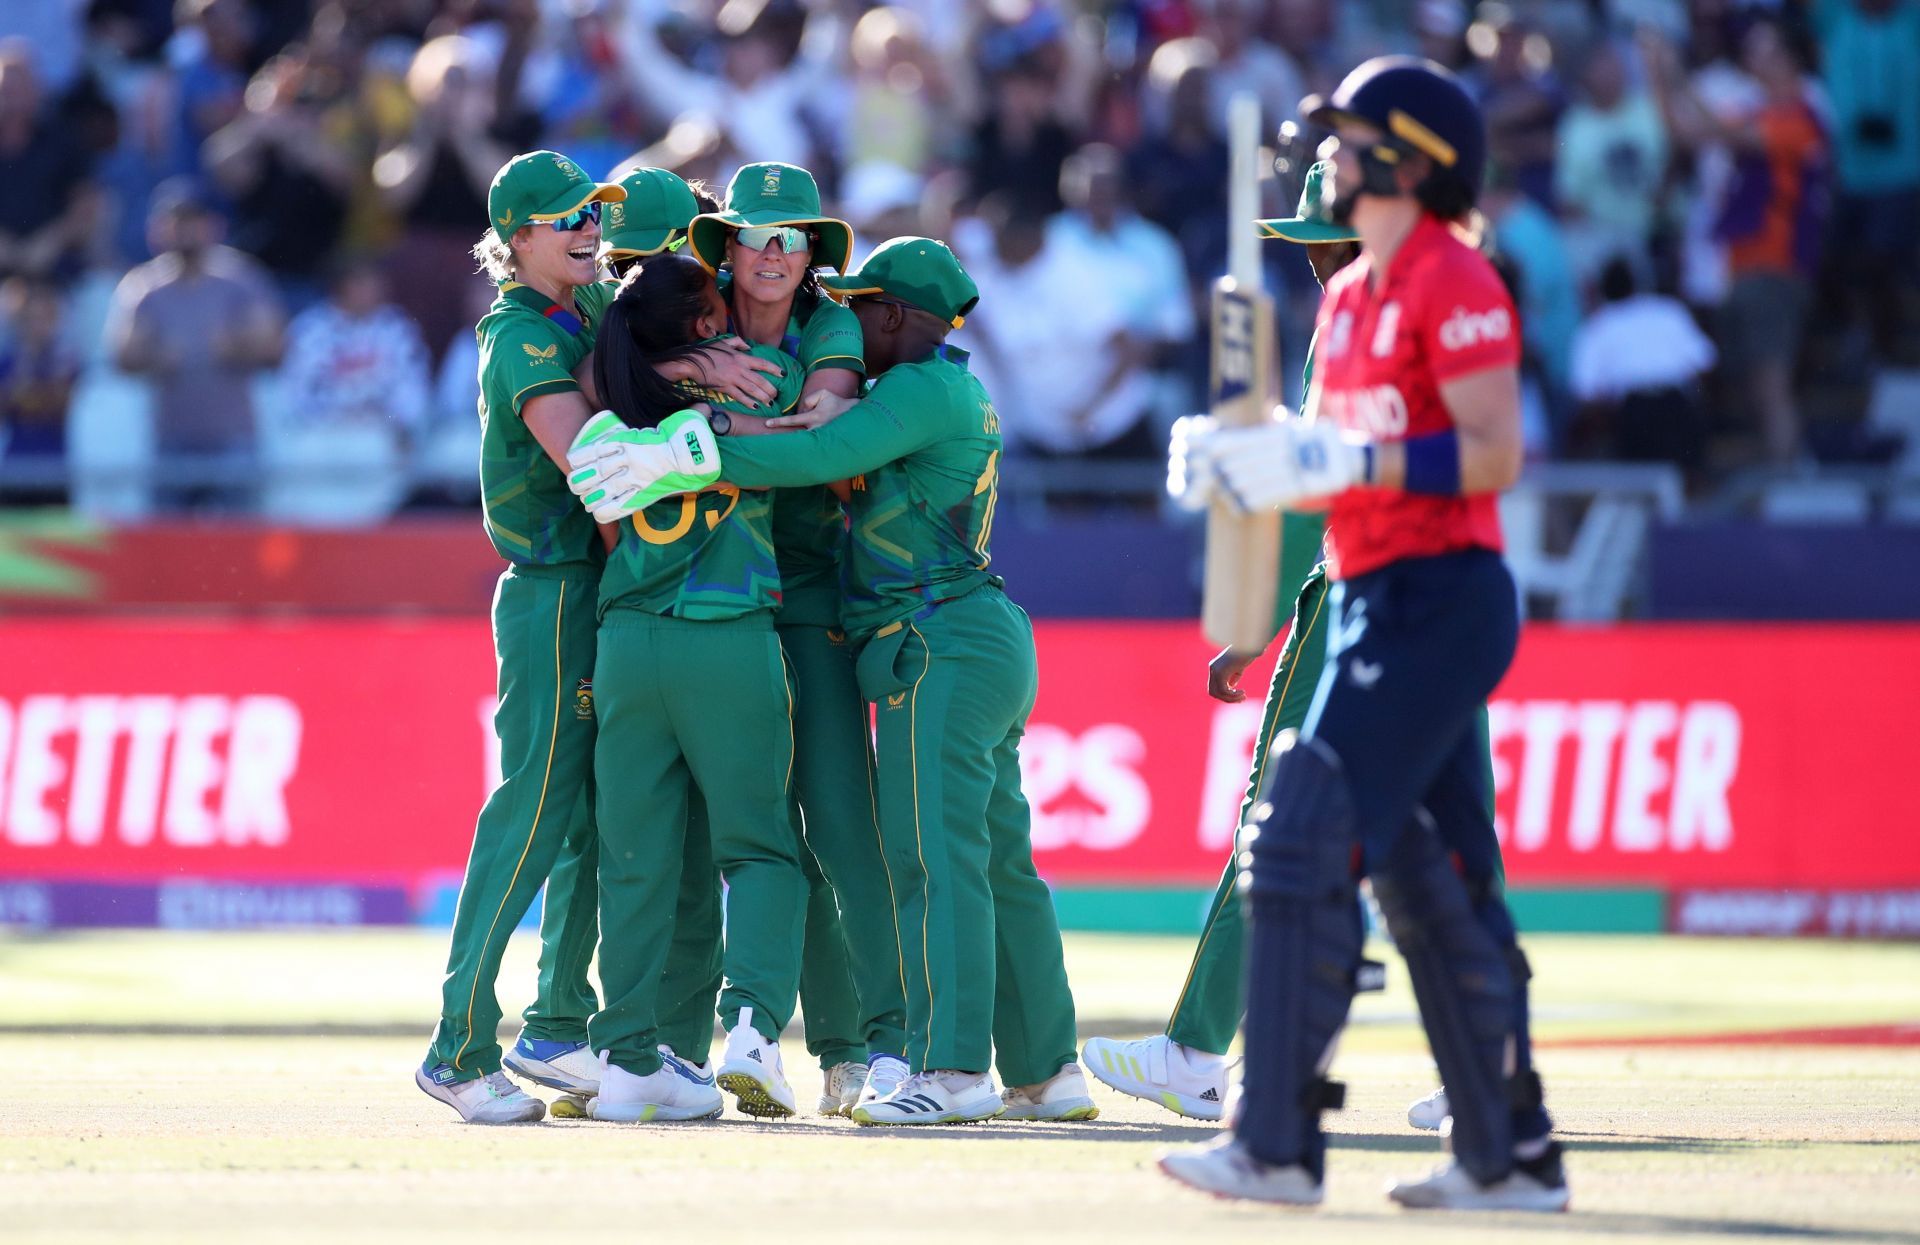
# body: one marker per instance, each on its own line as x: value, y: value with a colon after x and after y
x: 707, y: 703
x: 985, y: 979
x: 851, y: 988
x: 543, y: 635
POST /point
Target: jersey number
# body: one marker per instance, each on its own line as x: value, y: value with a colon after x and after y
x: 689, y: 506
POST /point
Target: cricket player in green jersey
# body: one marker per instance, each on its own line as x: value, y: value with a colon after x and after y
x: 692, y: 692
x: 541, y: 247
x: 948, y: 662
x: 765, y: 248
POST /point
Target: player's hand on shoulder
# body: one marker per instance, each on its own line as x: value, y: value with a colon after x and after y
x: 816, y: 410
x: 726, y: 366
x: 1224, y: 673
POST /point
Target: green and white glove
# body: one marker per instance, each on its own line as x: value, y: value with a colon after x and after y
x: 618, y: 471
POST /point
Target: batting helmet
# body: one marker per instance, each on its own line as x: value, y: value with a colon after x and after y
x: 1418, y: 107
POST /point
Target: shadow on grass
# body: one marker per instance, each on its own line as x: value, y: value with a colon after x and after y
x: 1427, y: 1143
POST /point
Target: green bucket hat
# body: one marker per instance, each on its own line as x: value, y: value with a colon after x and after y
x: 540, y: 186
x: 1311, y: 221
x: 919, y: 271
x: 771, y: 194
x: 658, y: 205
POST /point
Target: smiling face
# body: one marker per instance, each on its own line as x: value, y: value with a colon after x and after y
x: 549, y: 259
x: 770, y: 275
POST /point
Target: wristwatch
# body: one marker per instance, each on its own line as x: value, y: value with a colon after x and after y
x: 720, y: 422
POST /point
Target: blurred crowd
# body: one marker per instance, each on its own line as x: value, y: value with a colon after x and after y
x: 234, y: 233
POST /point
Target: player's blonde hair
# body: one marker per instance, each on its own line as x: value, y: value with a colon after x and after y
x: 493, y: 257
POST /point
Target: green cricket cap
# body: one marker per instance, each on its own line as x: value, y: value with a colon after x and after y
x: 1312, y: 221
x: 541, y: 186
x: 771, y: 193
x: 920, y: 271
x: 658, y: 204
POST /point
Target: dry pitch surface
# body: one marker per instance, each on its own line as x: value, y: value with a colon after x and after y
x: 162, y: 1088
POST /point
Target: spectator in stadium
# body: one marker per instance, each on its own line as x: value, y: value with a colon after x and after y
x: 1178, y: 170
x: 355, y: 357
x: 1248, y: 63
x: 1527, y: 234
x: 43, y: 173
x: 1771, y: 218
x: 209, y: 53
x: 1637, y: 365
x: 436, y: 179
x: 1612, y: 163
x: 1519, y: 94
x: 199, y: 322
x: 285, y: 171
x: 1871, y: 50
x: 1020, y: 145
x: 38, y: 371
x: 897, y: 95
x: 1105, y: 403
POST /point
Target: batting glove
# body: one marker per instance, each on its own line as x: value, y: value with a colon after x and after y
x: 619, y: 471
x: 1285, y: 463
x: 1191, y: 477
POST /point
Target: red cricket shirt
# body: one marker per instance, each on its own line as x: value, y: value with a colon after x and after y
x: 1381, y: 356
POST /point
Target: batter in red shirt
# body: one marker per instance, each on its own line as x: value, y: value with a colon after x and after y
x: 1414, y: 430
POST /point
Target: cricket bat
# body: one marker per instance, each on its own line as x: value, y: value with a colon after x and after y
x: 1243, y: 551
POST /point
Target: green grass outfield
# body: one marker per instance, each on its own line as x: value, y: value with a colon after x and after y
x: 256, y: 1087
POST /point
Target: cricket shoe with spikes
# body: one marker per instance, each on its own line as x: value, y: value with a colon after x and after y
x: 672, y: 1093
x: 489, y: 1099
x: 750, y: 1070
x: 884, y: 1074
x: 1062, y: 1097
x: 1536, y: 1184
x: 941, y: 1096
x: 1223, y: 1168
x: 1160, y: 1070
x: 841, y: 1087
x: 1430, y: 1112
x: 566, y: 1066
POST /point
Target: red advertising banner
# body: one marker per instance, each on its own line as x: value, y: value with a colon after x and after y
x: 1672, y: 756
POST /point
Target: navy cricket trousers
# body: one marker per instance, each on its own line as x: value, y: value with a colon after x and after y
x: 1414, y: 650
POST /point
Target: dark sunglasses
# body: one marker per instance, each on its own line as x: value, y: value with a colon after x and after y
x: 577, y: 219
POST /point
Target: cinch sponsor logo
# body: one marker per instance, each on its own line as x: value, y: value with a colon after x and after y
x: 1086, y: 790
x: 1380, y: 411
x: 182, y: 771
x: 1465, y: 329
x: 1610, y: 775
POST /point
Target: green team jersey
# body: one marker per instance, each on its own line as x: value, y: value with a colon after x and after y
x: 809, y: 526
x: 923, y: 451
x: 1301, y: 531
x: 786, y: 384
x: 697, y: 555
x: 532, y: 517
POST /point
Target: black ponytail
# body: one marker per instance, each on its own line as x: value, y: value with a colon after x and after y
x: 649, y: 322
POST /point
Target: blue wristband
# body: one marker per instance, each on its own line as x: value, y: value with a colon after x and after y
x: 1433, y: 464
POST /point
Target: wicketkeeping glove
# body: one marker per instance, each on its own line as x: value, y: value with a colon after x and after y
x: 618, y: 471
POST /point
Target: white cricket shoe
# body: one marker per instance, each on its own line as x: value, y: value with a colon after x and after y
x: 489, y: 1099
x: 566, y: 1066
x: 841, y: 1087
x: 1061, y: 1097
x: 938, y: 1097
x: 750, y: 1070
x: 673, y: 1092
x: 884, y: 1074
x: 1223, y: 1168
x: 1536, y: 1184
x: 1183, y: 1080
x: 1430, y: 1112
